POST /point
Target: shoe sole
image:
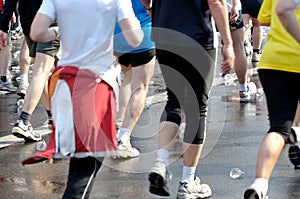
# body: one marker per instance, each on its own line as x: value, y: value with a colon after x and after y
x: 157, y: 184
x: 22, y: 95
x: 191, y: 196
x: 293, y: 156
x: 251, y: 194
x: 8, y: 90
x: 124, y: 155
x: 26, y: 136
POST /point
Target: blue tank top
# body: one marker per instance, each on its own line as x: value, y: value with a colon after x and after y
x: 121, y: 45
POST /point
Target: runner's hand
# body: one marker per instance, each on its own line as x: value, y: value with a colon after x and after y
x: 234, y: 15
x: 228, y: 58
x: 3, y: 39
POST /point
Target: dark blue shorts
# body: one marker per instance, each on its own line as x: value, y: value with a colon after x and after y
x: 135, y: 59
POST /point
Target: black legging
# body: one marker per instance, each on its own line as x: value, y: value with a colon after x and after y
x: 82, y: 173
x: 188, y: 74
x: 282, y: 91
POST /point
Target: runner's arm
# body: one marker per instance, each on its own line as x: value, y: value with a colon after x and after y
x: 40, y: 30
x: 132, y: 31
x: 219, y: 12
x: 7, y: 13
x: 285, y: 11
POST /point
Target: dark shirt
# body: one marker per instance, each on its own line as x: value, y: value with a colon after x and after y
x: 191, y: 18
x: 27, y: 12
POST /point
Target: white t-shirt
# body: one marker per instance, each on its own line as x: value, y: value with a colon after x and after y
x: 229, y: 5
x: 86, y: 32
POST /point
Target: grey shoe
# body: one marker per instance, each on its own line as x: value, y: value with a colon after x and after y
x: 24, y: 131
x: 193, y: 190
x: 7, y: 86
x: 159, y: 178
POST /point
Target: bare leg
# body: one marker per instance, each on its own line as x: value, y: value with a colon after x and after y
x: 41, y: 70
x: 24, y: 58
x: 191, y: 154
x: 247, y: 25
x: 140, y: 79
x: 5, y: 84
x: 125, y: 92
x: 167, y: 134
x: 4, y: 60
x: 257, y: 34
x: 25, y: 61
x: 240, y: 65
x: 45, y: 98
x: 268, y: 153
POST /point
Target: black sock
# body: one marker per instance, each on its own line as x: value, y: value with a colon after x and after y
x: 49, y: 113
x: 257, y: 51
x: 25, y: 117
x: 3, y: 78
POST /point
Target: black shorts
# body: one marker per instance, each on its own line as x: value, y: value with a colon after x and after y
x: 282, y: 91
x: 135, y: 59
x: 49, y: 48
x: 239, y: 22
x: 251, y: 7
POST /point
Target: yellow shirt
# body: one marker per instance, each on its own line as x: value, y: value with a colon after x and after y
x: 282, y: 51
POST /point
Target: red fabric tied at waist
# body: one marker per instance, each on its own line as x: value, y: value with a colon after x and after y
x: 94, y: 108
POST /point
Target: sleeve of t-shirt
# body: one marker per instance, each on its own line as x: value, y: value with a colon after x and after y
x: 125, y: 10
x: 48, y: 8
x: 264, y: 15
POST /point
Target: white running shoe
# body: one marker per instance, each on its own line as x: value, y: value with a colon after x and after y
x: 256, y: 57
x: 159, y: 178
x: 22, y: 88
x: 24, y: 131
x: 125, y: 150
x: 250, y: 94
x: 254, y: 192
x: 193, y: 190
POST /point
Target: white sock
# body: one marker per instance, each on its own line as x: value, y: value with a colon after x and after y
x: 243, y: 87
x: 163, y: 155
x: 263, y: 183
x: 119, y: 122
x: 124, y: 135
x: 188, y: 174
x: 24, y: 78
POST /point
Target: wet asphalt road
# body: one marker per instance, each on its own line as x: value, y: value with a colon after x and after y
x: 234, y: 133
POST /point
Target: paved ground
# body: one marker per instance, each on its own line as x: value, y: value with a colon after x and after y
x: 234, y: 133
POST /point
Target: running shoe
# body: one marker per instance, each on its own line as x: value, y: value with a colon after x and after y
x: 126, y: 150
x: 294, y: 155
x: 7, y: 86
x: 159, y: 178
x: 193, y: 190
x: 254, y: 192
x: 247, y: 96
x: 256, y: 57
x: 22, y: 88
x: 24, y: 131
